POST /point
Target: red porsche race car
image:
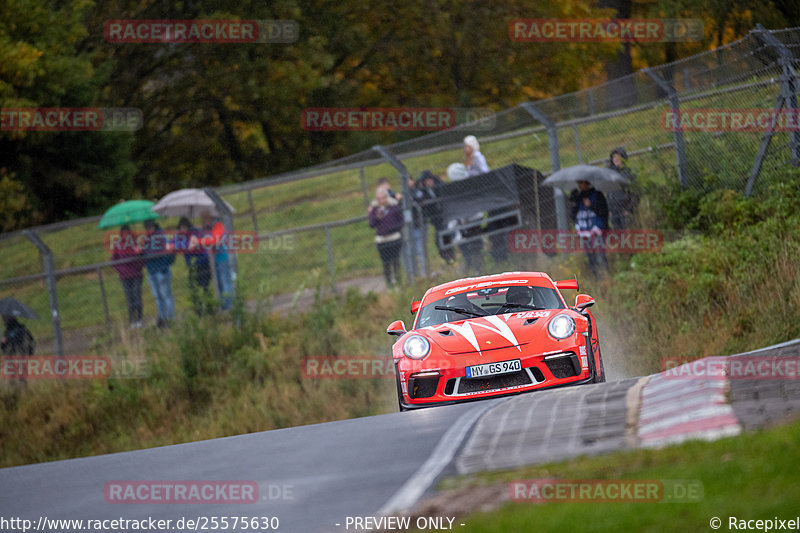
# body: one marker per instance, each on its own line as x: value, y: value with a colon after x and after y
x: 492, y: 336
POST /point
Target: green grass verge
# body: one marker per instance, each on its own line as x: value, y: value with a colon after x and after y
x: 751, y: 476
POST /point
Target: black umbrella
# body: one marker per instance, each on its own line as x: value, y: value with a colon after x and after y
x: 15, y: 308
x: 603, y: 179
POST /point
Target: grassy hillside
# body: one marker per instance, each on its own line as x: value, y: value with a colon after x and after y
x: 723, y: 159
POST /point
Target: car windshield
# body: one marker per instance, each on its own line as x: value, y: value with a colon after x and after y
x: 488, y: 301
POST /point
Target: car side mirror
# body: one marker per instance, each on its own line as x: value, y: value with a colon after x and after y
x: 396, y: 328
x: 582, y: 301
x: 415, y: 306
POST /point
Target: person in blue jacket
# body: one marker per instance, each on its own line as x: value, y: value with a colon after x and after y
x: 188, y: 242
x: 590, y: 214
x: 159, y: 263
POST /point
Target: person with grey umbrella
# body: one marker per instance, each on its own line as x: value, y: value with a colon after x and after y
x: 589, y: 210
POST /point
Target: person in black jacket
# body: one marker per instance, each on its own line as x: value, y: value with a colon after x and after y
x: 17, y: 339
x: 426, y: 194
x: 623, y: 202
x: 589, y: 210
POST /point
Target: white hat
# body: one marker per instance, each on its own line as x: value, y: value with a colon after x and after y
x: 470, y: 140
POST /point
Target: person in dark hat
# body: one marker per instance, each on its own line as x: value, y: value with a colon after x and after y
x: 187, y: 242
x: 621, y: 203
x: 17, y: 339
x: 426, y: 194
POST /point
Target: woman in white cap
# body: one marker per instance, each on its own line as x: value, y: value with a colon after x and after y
x: 473, y: 158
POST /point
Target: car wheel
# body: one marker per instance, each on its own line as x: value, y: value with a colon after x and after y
x: 602, y: 369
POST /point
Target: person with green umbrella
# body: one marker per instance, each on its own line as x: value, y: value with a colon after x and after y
x: 130, y: 274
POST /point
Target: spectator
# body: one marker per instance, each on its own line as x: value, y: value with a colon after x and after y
x: 187, y: 242
x: 427, y: 188
x: 622, y: 203
x: 383, y: 183
x: 17, y: 339
x: 473, y: 158
x: 214, y: 233
x: 130, y: 274
x: 159, y: 271
x: 386, y: 216
x: 590, y: 215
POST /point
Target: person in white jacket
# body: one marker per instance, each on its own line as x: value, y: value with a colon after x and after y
x: 473, y: 158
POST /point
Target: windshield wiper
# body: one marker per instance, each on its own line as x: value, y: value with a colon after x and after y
x: 460, y: 310
x: 517, y: 306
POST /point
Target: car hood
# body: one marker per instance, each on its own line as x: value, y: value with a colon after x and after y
x: 490, y: 332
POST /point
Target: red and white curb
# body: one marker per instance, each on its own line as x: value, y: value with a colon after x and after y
x: 675, y: 410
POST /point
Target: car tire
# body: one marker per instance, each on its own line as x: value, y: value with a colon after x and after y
x: 602, y: 369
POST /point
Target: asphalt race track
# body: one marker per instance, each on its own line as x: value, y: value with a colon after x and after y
x: 313, y: 477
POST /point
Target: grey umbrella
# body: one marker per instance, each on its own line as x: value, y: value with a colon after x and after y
x: 15, y: 308
x: 603, y: 179
x: 187, y: 203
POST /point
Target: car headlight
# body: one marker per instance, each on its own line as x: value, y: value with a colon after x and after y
x: 416, y: 347
x: 561, y: 326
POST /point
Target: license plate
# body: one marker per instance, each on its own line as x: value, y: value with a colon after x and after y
x: 491, y: 369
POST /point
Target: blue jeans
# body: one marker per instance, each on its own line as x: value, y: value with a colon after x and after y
x: 224, y: 282
x: 161, y: 285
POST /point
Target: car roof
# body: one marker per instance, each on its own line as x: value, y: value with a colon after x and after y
x: 506, y: 278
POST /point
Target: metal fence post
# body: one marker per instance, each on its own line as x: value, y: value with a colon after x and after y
x: 252, y: 210
x: 555, y: 160
x: 408, y: 218
x: 680, y: 147
x: 787, y: 97
x: 50, y: 271
x: 103, y: 295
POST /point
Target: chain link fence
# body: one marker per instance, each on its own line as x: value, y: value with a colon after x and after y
x: 686, y: 124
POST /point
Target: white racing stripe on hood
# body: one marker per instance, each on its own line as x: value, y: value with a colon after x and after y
x: 466, y: 331
x: 501, y: 328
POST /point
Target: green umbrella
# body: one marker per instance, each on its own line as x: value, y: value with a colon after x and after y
x: 128, y: 213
